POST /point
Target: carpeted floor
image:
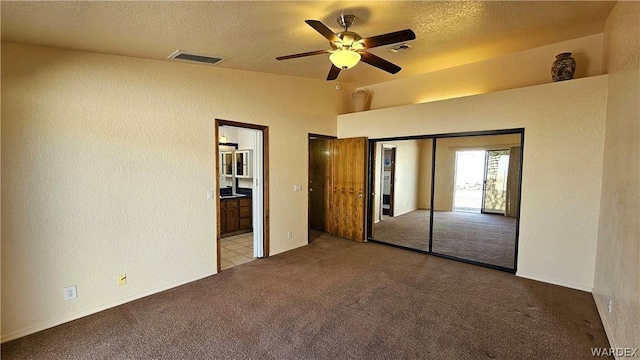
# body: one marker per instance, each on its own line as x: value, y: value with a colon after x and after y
x: 484, y: 238
x: 337, y: 299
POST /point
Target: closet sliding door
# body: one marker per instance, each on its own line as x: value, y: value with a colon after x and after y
x: 453, y: 195
x: 472, y: 177
x: 402, y: 193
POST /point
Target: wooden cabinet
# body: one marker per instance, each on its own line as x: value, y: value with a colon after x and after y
x: 235, y: 216
x: 223, y: 217
x: 245, y: 214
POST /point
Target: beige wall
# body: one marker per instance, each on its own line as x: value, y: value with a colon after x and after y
x: 446, y: 162
x: 424, y: 177
x: 422, y: 180
x: 562, y: 169
x: 405, y: 195
x: 617, y: 275
x: 525, y: 68
x: 106, y: 164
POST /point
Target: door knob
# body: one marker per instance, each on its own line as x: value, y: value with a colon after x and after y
x: 310, y: 189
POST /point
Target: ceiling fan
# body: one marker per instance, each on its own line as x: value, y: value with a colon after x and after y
x: 347, y: 47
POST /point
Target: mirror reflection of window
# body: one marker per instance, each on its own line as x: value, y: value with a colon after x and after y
x: 470, y: 221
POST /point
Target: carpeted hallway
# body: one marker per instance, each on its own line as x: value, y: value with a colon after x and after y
x: 337, y: 299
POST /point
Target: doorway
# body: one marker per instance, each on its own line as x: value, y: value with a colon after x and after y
x: 242, y: 192
x: 481, y: 181
x: 319, y: 182
x: 337, y: 187
x: 388, y: 177
x: 469, y: 180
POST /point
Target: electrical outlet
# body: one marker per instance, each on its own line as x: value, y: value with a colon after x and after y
x: 610, y: 305
x: 209, y: 194
x: 70, y: 292
x: 289, y: 235
x: 122, y: 279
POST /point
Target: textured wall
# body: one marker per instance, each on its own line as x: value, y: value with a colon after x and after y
x: 424, y: 177
x: 106, y: 162
x: 406, y: 176
x: 525, y: 68
x: 562, y: 170
x: 617, y: 274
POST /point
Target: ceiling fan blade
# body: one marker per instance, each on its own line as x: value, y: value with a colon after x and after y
x: 323, y: 30
x: 390, y: 38
x: 317, y: 52
x: 333, y: 73
x: 379, y: 62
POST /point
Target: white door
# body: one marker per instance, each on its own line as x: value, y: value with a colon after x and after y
x: 258, y: 196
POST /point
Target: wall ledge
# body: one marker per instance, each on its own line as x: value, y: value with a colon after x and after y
x: 467, y: 96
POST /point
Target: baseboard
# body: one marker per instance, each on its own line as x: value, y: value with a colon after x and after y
x: 271, y: 253
x: 554, y: 281
x: 49, y: 324
x: 602, y: 311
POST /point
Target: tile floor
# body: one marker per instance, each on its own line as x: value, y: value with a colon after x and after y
x: 236, y: 250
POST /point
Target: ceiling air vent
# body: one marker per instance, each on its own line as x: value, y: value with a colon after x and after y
x: 195, y: 58
x: 400, y: 47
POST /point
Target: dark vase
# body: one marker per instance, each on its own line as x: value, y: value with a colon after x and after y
x: 563, y: 68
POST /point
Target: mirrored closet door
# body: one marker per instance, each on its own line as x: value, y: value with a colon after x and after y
x: 449, y: 195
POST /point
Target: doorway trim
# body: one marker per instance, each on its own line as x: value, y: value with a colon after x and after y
x: 311, y: 137
x: 265, y: 182
x: 392, y: 178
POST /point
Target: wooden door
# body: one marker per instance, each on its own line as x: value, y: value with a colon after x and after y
x: 348, y: 173
x: 319, y: 184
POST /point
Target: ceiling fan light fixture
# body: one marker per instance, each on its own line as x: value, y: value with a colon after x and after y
x: 344, y: 58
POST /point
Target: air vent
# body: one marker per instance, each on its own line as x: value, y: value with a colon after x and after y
x: 195, y: 58
x: 400, y: 47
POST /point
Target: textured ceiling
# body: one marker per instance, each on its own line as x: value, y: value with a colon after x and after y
x: 252, y: 33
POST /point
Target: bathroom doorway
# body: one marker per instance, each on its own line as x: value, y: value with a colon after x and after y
x: 242, y: 193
